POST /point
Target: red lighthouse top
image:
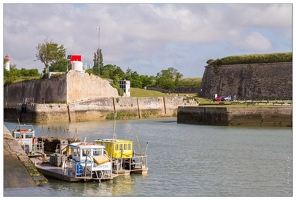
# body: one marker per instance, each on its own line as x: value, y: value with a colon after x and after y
x: 7, y: 59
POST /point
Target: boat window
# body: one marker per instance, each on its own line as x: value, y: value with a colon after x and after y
x: 17, y: 136
x: 116, y: 147
x: 125, y: 147
x: 84, y: 152
x: 129, y: 146
x: 76, y: 152
x: 29, y: 136
x: 97, y: 152
x: 120, y: 147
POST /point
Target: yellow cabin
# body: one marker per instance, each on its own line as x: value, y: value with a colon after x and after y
x: 117, y: 148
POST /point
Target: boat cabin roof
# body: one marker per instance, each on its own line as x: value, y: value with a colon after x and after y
x: 24, y: 127
x: 113, y: 140
x: 86, y: 145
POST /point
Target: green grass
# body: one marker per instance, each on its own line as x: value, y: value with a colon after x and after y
x: 209, y: 102
x: 252, y: 58
x: 10, y: 80
x: 137, y: 92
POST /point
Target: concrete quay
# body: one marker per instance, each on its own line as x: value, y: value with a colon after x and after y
x: 19, y: 170
x: 273, y: 116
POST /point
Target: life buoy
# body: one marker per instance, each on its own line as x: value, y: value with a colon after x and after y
x: 34, y: 140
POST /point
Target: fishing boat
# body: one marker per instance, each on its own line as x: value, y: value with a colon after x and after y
x: 25, y: 135
x: 124, y: 159
x: 79, y: 161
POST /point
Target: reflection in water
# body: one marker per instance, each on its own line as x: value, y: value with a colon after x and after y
x: 119, y: 186
x: 123, y: 185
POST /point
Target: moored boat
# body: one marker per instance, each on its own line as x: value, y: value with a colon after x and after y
x: 80, y: 161
x: 25, y: 135
x: 124, y: 159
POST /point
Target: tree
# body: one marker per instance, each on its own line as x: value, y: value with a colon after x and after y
x: 146, y: 80
x: 110, y: 71
x: 168, y: 79
x: 11, y: 75
x: 48, y: 53
x: 60, y: 66
x: 98, y: 62
x: 128, y: 74
x: 166, y: 82
x: 138, y: 81
x: 117, y: 72
x: 134, y: 78
x: 15, y: 74
x: 115, y: 84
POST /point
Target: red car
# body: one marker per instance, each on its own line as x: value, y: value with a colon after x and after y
x: 219, y: 98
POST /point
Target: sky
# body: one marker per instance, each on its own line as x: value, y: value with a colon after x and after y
x: 147, y: 37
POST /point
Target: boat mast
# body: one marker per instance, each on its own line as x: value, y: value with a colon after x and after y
x: 18, y: 120
x: 114, y: 121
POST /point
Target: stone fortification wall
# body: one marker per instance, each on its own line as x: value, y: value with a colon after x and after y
x: 236, y: 116
x: 72, y: 87
x: 82, y: 86
x: 102, y: 109
x: 36, y: 91
x: 261, y: 80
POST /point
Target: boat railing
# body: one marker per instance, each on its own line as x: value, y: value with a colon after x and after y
x: 84, y: 170
x: 138, y: 161
x: 38, y: 147
x: 78, y: 169
x: 141, y: 161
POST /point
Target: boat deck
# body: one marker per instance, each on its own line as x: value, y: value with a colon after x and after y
x: 139, y: 170
x: 63, y: 174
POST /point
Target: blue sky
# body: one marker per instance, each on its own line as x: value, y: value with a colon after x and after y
x: 147, y: 37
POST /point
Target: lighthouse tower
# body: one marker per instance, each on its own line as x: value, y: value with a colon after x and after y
x: 7, y: 63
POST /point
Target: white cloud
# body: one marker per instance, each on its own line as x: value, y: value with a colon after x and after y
x: 256, y: 42
x: 147, y: 34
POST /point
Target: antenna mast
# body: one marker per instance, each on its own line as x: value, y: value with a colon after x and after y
x: 98, y: 29
x: 98, y: 60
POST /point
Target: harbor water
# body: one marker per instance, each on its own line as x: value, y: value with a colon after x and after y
x: 184, y: 160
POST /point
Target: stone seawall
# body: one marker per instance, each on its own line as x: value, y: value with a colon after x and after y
x: 256, y: 81
x: 279, y: 116
x: 152, y: 107
x: 99, y: 109
x: 18, y: 170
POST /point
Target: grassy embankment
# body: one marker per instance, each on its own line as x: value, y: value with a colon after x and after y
x: 136, y: 92
x: 253, y: 58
